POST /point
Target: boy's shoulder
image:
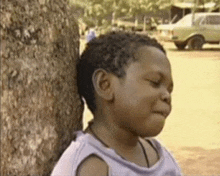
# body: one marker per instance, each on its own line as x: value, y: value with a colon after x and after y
x: 92, y: 165
x: 76, y: 152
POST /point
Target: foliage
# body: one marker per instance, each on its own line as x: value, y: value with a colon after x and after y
x: 97, y: 12
x: 94, y: 11
x: 142, y: 6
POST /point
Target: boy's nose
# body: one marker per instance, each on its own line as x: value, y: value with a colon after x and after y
x: 166, y: 96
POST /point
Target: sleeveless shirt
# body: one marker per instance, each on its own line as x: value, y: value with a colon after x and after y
x: 86, y: 145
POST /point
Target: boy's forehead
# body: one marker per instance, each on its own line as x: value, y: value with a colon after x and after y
x: 151, y: 56
x: 150, y: 61
x: 148, y: 51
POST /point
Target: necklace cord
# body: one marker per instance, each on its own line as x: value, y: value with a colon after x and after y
x: 142, y: 147
x: 145, y: 154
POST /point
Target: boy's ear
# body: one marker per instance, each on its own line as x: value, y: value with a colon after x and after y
x: 102, y: 84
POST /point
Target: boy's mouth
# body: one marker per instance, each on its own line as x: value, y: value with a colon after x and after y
x: 163, y: 113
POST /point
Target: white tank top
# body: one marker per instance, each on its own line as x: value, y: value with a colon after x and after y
x: 86, y: 145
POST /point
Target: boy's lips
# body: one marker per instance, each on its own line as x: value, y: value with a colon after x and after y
x: 164, y: 113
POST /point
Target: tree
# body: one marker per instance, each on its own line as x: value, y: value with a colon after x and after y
x: 97, y: 10
x: 117, y: 7
x: 141, y: 7
x: 40, y: 105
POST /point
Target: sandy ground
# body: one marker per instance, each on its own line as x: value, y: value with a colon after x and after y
x: 192, y: 131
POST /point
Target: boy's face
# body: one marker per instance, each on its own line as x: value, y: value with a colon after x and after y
x: 143, y: 96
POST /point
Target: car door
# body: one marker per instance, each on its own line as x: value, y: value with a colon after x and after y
x: 210, y: 27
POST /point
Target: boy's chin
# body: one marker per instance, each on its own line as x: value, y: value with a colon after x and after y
x: 151, y: 133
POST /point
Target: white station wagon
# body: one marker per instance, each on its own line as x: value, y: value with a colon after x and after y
x: 204, y: 29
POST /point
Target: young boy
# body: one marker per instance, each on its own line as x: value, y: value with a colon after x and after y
x: 126, y: 81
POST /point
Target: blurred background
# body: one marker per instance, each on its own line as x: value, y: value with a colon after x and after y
x: 135, y: 15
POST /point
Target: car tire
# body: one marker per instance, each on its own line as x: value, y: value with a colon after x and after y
x: 180, y: 46
x: 195, y: 43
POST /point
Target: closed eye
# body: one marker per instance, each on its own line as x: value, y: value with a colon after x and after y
x: 155, y: 83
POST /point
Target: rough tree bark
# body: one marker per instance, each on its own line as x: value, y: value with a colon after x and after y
x: 40, y: 106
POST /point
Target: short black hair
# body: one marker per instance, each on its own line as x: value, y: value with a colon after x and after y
x: 111, y: 52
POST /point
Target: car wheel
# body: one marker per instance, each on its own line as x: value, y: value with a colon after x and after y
x: 196, y: 43
x: 180, y: 46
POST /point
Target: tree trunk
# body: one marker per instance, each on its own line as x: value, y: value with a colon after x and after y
x: 144, y: 23
x: 136, y: 21
x: 113, y: 18
x: 114, y: 13
x: 40, y: 105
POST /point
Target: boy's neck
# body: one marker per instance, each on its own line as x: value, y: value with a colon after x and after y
x: 114, y: 136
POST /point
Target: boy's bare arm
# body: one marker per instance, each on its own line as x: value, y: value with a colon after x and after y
x: 92, y: 166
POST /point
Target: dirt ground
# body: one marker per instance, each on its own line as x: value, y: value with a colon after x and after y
x: 192, y: 131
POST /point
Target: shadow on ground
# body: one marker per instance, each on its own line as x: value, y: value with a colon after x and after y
x: 188, y: 50
x: 199, y: 161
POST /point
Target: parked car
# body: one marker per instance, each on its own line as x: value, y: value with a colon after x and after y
x: 205, y: 28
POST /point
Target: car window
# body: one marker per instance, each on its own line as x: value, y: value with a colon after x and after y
x: 187, y: 20
x: 212, y: 20
x: 198, y: 20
